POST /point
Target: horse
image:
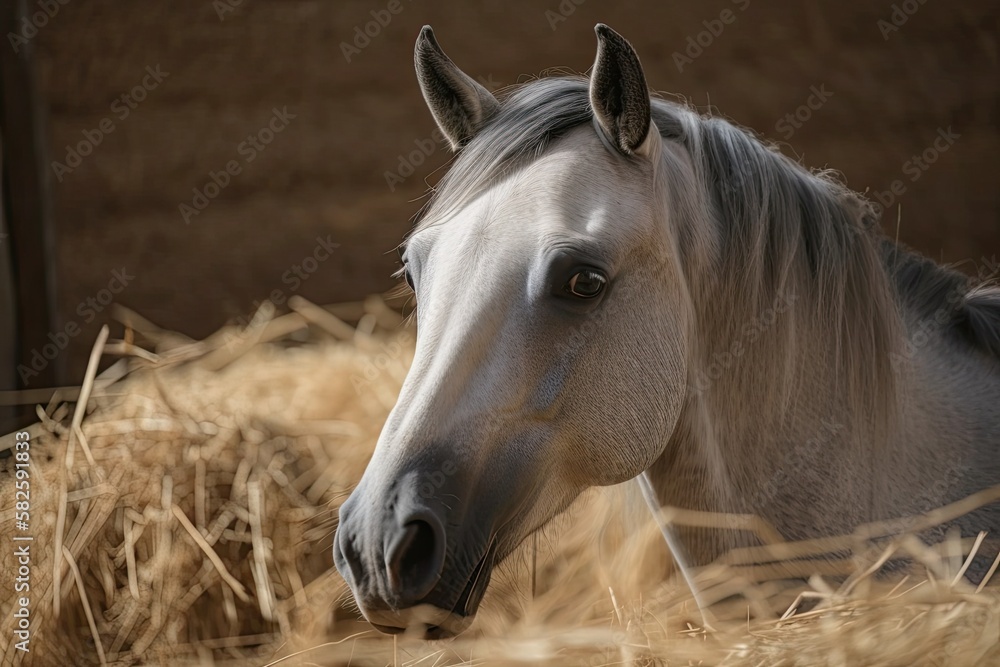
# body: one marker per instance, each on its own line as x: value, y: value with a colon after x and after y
x: 611, y: 284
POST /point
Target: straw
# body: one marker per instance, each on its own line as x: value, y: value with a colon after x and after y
x: 197, y: 528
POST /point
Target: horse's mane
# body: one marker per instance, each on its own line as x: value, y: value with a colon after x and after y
x: 783, y: 231
x: 947, y: 299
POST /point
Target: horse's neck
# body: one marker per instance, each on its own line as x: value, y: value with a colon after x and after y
x: 765, y: 432
x: 748, y: 446
x: 797, y: 459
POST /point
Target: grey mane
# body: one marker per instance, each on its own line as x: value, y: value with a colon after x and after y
x: 967, y: 312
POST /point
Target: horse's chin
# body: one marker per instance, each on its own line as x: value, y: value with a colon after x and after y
x: 423, y: 621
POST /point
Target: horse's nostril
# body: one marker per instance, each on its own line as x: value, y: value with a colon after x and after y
x: 415, y: 559
x: 345, y: 556
x: 417, y: 550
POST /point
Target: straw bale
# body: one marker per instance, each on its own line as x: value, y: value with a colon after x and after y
x: 191, y: 501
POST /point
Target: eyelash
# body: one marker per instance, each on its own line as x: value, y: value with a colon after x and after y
x: 402, y: 272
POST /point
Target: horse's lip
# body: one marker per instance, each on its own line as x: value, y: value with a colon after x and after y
x: 433, y: 621
x: 387, y: 629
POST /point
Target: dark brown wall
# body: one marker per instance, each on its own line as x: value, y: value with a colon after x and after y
x: 325, y: 173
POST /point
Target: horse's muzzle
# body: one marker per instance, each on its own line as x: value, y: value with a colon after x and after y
x: 406, y: 572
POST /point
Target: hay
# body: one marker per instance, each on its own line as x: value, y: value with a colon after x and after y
x: 192, y: 500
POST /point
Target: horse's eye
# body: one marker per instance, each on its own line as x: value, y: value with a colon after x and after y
x: 409, y: 279
x: 587, y: 284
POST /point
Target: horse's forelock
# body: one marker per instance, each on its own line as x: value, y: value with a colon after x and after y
x: 531, y: 115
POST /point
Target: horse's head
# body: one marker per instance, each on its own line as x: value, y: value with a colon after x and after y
x: 554, y: 324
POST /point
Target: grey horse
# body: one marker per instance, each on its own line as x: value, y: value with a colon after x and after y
x: 610, y: 283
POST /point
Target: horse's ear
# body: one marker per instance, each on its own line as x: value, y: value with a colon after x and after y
x: 460, y: 105
x: 618, y: 93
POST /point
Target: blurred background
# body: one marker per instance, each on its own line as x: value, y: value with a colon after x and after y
x: 190, y: 158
